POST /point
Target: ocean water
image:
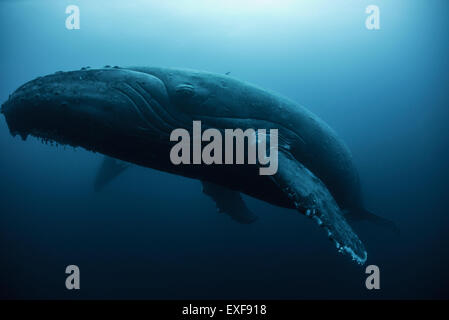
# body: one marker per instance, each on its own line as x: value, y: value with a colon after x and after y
x: 152, y: 235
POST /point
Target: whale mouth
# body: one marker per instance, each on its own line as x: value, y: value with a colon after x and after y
x: 98, y: 109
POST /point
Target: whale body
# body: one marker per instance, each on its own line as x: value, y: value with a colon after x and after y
x: 129, y: 114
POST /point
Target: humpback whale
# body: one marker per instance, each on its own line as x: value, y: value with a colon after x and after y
x: 129, y: 113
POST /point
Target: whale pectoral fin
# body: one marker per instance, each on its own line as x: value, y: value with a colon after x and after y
x: 229, y: 202
x: 311, y: 197
x: 109, y: 169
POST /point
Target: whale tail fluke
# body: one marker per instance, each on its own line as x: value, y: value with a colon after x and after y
x: 365, y: 215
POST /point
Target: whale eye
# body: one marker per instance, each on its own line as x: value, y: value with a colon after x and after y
x: 185, y: 90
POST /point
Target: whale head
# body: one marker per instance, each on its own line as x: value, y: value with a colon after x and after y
x: 109, y: 110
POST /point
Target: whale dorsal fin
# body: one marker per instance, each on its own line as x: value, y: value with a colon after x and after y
x: 109, y: 169
x: 229, y: 202
x: 311, y: 197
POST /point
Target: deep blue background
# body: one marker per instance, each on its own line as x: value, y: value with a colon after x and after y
x: 155, y: 235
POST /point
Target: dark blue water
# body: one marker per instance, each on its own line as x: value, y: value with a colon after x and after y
x: 155, y: 235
